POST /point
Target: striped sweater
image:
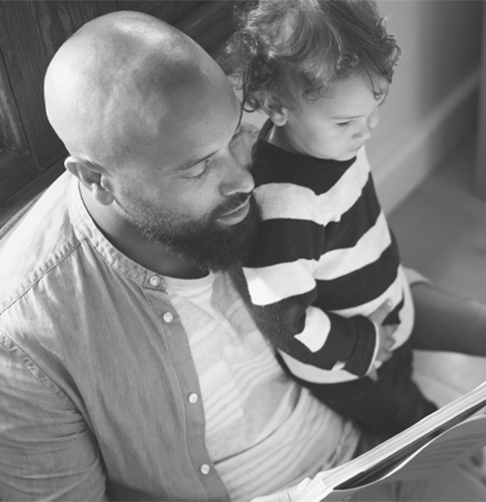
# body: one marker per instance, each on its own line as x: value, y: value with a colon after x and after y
x: 324, y: 260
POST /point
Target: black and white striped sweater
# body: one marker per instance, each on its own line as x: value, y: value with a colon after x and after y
x: 325, y: 259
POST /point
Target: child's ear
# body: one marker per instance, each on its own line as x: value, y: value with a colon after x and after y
x: 278, y: 115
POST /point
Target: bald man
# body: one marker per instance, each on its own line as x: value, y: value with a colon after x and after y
x: 130, y: 366
x: 122, y: 93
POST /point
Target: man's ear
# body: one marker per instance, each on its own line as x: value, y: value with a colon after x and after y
x: 93, y: 177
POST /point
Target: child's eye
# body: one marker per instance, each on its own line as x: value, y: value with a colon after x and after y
x: 344, y: 124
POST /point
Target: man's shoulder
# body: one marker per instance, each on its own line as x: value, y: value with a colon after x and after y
x: 37, y: 243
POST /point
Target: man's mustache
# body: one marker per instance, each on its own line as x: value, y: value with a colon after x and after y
x: 231, y: 203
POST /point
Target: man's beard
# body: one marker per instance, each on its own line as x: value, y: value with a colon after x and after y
x: 208, y: 244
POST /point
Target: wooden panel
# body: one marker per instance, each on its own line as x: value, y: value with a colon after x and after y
x: 11, y: 206
x: 168, y: 11
x: 209, y: 24
x: 22, y: 39
x: 72, y: 15
x: 31, y: 32
x: 11, y: 131
x: 17, y: 170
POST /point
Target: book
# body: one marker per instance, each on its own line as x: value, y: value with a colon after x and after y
x: 436, y: 443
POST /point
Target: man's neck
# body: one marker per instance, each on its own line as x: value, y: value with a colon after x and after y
x: 133, y: 244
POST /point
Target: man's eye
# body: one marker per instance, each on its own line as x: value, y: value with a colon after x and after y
x: 202, y: 174
x: 198, y: 176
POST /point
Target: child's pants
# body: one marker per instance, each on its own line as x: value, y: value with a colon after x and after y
x: 386, y: 406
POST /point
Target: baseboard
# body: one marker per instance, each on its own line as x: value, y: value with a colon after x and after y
x: 451, y: 124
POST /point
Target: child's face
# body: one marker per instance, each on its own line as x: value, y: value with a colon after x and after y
x: 335, y: 126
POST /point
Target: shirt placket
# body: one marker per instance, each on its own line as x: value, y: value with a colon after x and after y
x: 190, y: 391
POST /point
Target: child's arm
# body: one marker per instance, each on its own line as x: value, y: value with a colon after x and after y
x: 312, y: 336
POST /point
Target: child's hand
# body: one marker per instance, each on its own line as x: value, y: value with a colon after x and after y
x: 385, y: 335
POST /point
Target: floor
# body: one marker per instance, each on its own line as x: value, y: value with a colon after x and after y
x: 441, y: 230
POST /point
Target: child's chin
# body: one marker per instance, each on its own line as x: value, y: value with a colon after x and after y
x: 348, y: 155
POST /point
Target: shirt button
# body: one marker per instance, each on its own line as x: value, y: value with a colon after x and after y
x: 205, y: 469
x: 154, y: 280
x: 193, y: 398
x: 168, y: 317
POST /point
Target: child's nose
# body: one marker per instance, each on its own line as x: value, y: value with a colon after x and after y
x: 368, y: 125
x: 373, y: 119
x: 364, y: 132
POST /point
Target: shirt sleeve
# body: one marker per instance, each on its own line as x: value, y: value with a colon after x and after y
x: 47, y: 449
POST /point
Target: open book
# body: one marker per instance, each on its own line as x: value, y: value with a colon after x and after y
x: 440, y: 441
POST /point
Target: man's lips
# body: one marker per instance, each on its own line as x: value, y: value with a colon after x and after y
x: 236, y: 215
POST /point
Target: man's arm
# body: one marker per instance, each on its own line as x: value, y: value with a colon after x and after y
x: 447, y: 322
x: 46, y: 448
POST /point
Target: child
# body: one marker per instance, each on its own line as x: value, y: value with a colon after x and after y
x: 326, y: 266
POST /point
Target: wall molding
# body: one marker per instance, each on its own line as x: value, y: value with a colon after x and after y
x: 424, y: 148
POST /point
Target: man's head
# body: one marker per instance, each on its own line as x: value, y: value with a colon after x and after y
x: 151, y: 124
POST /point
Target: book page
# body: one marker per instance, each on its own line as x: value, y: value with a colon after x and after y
x: 437, y: 450
x: 423, y: 456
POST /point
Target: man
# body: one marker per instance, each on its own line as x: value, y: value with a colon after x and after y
x: 130, y: 367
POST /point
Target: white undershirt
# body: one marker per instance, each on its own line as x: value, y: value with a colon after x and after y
x: 263, y: 432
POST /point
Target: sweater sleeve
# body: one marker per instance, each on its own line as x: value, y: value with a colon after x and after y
x: 307, y: 333
x: 283, y: 291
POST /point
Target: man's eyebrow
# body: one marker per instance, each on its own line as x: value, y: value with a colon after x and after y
x: 193, y: 162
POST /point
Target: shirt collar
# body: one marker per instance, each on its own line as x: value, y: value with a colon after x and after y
x: 84, y: 224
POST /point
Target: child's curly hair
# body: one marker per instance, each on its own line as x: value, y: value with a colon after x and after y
x: 282, y: 45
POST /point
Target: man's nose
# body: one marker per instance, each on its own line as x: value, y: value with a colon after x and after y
x: 236, y: 179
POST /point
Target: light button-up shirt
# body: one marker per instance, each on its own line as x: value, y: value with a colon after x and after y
x: 96, y: 372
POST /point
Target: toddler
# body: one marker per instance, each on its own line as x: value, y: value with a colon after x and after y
x: 326, y: 266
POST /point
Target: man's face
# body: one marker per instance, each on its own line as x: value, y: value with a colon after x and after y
x: 190, y: 189
x: 337, y: 125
